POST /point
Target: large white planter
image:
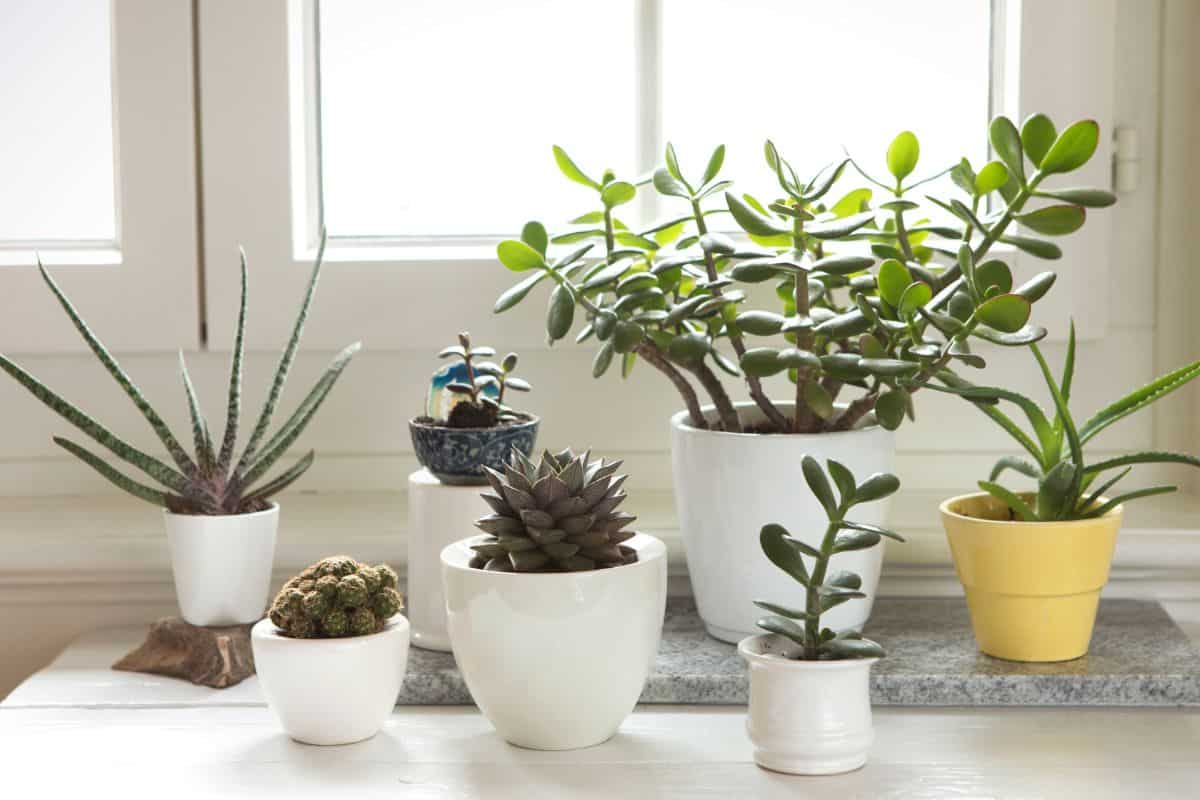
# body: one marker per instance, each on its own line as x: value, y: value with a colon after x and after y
x: 222, y: 565
x: 556, y: 661
x: 728, y: 485
x: 807, y: 717
x: 331, y: 691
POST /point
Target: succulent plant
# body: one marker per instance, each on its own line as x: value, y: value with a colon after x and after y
x: 822, y: 590
x: 207, y: 481
x: 1056, y: 444
x: 559, y: 515
x: 864, y: 300
x: 479, y: 410
x: 336, y: 597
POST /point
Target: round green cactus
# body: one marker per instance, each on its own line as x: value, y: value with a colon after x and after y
x: 335, y: 597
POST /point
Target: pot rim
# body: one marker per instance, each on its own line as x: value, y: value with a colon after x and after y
x: 454, y: 556
x: 266, y: 629
x: 946, y: 511
x: 799, y: 665
x: 272, y: 509
x: 533, y: 419
x: 678, y: 420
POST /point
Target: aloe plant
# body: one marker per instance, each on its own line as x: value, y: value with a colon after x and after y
x: 207, y: 480
x: 1067, y: 486
x: 876, y: 297
x: 823, y: 591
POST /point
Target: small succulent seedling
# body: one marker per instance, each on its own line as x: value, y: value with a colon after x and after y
x: 822, y: 590
x: 1056, y: 444
x: 479, y: 410
x: 559, y: 515
x: 209, y: 480
x: 336, y: 597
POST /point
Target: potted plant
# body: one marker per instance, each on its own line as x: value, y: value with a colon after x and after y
x: 220, y: 518
x: 332, y: 652
x: 863, y: 306
x: 810, y: 703
x: 555, y: 613
x: 466, y: 425
x: 1033, y: 563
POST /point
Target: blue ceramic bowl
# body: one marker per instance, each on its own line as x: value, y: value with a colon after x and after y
x: 458, y: 455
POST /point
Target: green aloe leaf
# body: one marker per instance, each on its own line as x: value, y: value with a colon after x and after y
x: 1135, y: 401
x: 1055, y: 498
x: 571, y: 169
x: 1019, y: 507
x: 1017, y: 465
x: 1073, y: 148
x: 1125, y: 498
x: 126, y: 484
x: 233, y: 403
x: 1145, y: 457
x: 201, y: 441
x: 283, y: 480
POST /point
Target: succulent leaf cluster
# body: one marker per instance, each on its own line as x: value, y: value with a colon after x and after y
x: 873, y: 294
x: 557, y: 515
x: 478, y: 410
x: 824, y: 590
x: 336, y: 597
x: 208, y: 480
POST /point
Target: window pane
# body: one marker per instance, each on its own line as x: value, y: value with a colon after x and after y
x: 56, y: 143
x: 437, y: 118
x: 817, y: 76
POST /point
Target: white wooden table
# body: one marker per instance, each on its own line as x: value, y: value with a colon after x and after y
x: 78, y: 726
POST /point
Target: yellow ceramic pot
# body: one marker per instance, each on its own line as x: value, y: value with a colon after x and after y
x: 1032, y: 587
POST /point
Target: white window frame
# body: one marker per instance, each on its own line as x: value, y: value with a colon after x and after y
x: 139, y: 292
x: 259, y: 183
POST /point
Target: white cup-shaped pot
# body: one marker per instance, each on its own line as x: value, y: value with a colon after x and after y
x: 222, y: 564
x: 807, y: 717
x: 728, y: 485
x: 331, y: 691
x: 557, y: 660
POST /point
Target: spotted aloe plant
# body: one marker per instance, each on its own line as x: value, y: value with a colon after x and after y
x: 208, y: 480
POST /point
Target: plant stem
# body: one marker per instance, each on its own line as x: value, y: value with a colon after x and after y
x: 802, y: 420
x: 812, y: 622
x: 712, y: 384
x: 858, y: 409
x: 902, y: 236
x: 654, y: 357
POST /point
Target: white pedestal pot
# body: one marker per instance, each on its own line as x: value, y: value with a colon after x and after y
x: 557, y: 660
x: 728, y: 485
x: 331, y: 691
x: 807, y: 717
x: 222, y: 564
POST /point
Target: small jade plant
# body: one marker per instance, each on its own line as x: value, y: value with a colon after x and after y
x: 557, y: 515
x: 1066, y: 482
x: 209, y: 480
x: 481, y: 386
x: 336, y: 597
x: 822, y: 590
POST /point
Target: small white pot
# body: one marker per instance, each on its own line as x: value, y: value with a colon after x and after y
x: 807, y: 717
x: 331, y: 691
x: 556, y: 661
x: 728, y: 485
x: 222, y: 564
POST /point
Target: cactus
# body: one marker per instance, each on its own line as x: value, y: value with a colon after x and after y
x: 207, y: 481
x: 336, y: 597
x: 556, y: 516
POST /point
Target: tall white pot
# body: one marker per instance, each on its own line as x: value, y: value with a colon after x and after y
x: 728, y: 485
x: 222, y: 564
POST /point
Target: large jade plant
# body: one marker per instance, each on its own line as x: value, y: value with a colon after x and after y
x: 870, y: 293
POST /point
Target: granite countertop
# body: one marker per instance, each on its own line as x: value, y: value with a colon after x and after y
x: 1138, y: 657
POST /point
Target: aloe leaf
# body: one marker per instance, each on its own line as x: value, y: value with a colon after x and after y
x: 178, y: 454
x: 126, y: 484
x: 1084, y: 505
x: 1016, y: 464
x: 282, y: 480
x: 1124, y: 498
x: 1067, y: 423
x: 1010, y: 499
x: 1148, y: 457
x: 1054, y: 498
x: 147, y: 463
x: 200, y: 437
x: 1139, y: 399
x: 983, y: 394
x: 234, y: 404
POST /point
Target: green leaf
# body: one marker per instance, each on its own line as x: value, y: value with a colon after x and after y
x: 863, y: 526
x: 602, y: 360
x: 876, y: 487
x: 1073, y: 148
x: 1146, y: 457
x: 1037, y: 286
x: 1016, y: 464
x: 518, y: 256
x: 1036, y: 247
x: 1006, y: 141
x: 760, y: 323
x: 993, y: 175
x: 851, y: 648
x: 1135, y: 401
x: 517, y: 293
x: 889, y: 409
x: 1037, y: 136
x: 714, y: 164
x: 1089, y: 198
x: 780, y: 548
x: 667, y: 184
x: 1018, y: 506
x: 750, y: 220
x: 914, y: 297
x: 1056, y: 220
x: 844, y: 579
x: 890, y: 367
x: 902, y: 155
x: 824, y: 180
x: 993, y: 275
x: 1054, y: 497
x: 1007, y: 312
x: 782, y: 611
x: 1124, y: 498
x: 818, y: 399
x: 560, y: 313
x: 534, y: 235
x: 617, y: 193
x: 842, y: 265
x: 673, y: 166
x: 855, y: 540
x: 851, y: 323
x: 282, y: 480
x: 819, y: 485
x: 125, y: 484
x: 761, y: 362
x: 783, y: 627
x: 854, y: 202
x: 893, y: 279
x: 837, y: 228
x: 201, y: 442
x: 844, y: 478
x: 570, y: 169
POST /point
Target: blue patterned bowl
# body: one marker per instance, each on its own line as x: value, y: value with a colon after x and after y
x: 458, y: 455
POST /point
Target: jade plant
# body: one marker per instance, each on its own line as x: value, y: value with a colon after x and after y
x: 870, y: 295
x: 336, y: 597
x: 1069, y: 486
x: 557, y: 515
x: 478, y: 380
x: 823, y: 590
x: 212, y: 479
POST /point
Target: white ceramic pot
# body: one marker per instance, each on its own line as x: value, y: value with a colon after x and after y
x: 556, y: 661
x: 222, y: 565
x: 807, y: 717
x: 728, y: 485
x: 331, y: 691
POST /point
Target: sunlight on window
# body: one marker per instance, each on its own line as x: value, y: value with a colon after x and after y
x: 56, y: 142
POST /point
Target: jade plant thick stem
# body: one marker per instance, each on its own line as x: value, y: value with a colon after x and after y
x: 874, y: 297
x: 822, y: 590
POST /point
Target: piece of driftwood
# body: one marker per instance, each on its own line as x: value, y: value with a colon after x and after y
x: 216, y: 657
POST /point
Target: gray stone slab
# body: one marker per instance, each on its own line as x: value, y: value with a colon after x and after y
x: 1138, y: 657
